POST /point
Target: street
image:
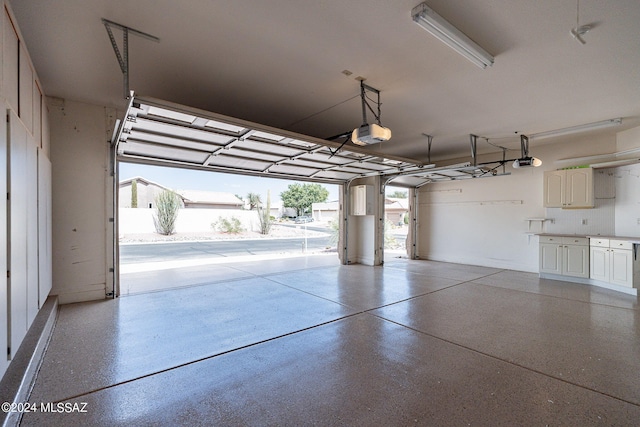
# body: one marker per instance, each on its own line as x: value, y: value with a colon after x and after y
x: 158, y: 252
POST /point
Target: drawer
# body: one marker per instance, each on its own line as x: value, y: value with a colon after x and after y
x: 579, y: 241
x: 551, y: 239
x: 603, y: 243
x: 621, y: 244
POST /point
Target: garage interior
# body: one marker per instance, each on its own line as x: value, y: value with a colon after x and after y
x: 464, y: 330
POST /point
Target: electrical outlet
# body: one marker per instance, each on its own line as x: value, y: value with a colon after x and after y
x: 584, y: 221
x: 638, y: 221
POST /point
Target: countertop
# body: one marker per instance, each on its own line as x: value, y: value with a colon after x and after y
x: 634, y: 240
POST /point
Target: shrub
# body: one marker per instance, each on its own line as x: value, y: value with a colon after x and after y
x: 264, y: 216
x: 228, y: 225
x: 167, y: 207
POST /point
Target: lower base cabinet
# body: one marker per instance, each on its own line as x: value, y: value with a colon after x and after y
x: 614, y: 261
x: 564, y: 255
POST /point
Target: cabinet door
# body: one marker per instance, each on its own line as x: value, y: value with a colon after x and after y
x: 554, y: 189
x: 550, y: 258
x: 621, y: 267
x: 579, y: 188
x: 576, y: 261
x: 599, y: 265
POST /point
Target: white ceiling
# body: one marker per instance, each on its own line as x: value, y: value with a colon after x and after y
x: 280, y: 63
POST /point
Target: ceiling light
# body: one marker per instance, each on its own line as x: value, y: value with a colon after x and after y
x: 424, y: 16
x: 580, y: 128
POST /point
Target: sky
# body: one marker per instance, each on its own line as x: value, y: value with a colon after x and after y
x: 241, y: 185
x: 186, y: 179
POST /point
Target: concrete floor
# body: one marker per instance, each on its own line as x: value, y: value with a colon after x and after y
x: 316, y: 343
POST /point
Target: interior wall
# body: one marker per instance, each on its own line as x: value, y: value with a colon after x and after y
x: 80, y: 156
x: 484, y: 221
x: 362, y: 240
x: 627, y: 204
x: 24, y: 157
x: 597, y: 221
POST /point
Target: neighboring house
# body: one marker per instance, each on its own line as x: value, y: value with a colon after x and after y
x: 395, y: 209
x: 190, y: 199
x: 147, y: 192
x: 325, y: 211
x: 209, y: 200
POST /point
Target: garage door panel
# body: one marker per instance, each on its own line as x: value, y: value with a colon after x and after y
x: 163, y: 152
x: 155, y: 130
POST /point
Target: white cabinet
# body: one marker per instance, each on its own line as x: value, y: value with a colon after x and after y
x: 570, y: 188
x: 564, y: 255
x: 614, y: 261
x: 362, y: 200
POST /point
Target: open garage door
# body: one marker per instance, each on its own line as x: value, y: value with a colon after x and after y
x: 159, y: 132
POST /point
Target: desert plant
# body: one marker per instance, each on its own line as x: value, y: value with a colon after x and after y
x: 254, y: 200
x: 390, y: 241
x: 228, y: 225
x: 167, y: 207
x: 134, y: 193
x: 334, y: 232
x: 264, y: 216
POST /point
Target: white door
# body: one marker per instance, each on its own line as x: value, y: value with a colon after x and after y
x: 18, y: 188
x: 554, y: 189
x: 576, y: 261
x: 4, y: 313
x: 579, y: 188
x: 599, y: 266
x: 621, y: 267
x: 550, y: 258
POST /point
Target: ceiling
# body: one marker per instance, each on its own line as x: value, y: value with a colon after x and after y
x: 281, y: 63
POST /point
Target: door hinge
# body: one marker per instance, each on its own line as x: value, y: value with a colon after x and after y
x: 8, y: 274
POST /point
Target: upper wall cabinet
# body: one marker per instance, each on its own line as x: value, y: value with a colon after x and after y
x: 569, y: 189
x: 25, y: 94
x: 10, y: 62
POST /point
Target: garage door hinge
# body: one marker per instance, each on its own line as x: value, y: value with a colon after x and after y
x: 131, y: 119
x: 110, y: 219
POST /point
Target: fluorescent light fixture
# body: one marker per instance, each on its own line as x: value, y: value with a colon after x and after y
x: 576, y: 129
x: 615, y: 163
x: 424, y: 16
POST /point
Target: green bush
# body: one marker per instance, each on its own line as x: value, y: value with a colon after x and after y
x: 167, y: 207
x: 228, y: 225
x: 264, y: 216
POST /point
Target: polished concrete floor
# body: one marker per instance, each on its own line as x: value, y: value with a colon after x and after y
x: 293, y: 343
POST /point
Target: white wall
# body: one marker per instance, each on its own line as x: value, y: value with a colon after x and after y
x: 80, y: 156
x: 483, y: 221
x: 132, y: 220
x: 24, y: 152
x: 627, y: 204
x: 362, y: 239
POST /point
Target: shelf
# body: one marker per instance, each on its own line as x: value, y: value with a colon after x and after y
x: 540, y: 220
